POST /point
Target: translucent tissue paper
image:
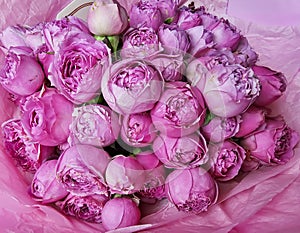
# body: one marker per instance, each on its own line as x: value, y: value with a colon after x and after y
x: 267, y: 200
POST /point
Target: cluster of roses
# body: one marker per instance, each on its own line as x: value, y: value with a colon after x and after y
x: 178, y: 107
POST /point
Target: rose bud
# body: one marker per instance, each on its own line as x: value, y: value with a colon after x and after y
x: 120, y: 212
x: 22, y: 74
x: 78, y: 67
x: 173, y: 39
x: 170, y: 66
x: 226, y: 159
x: 131, y: 86
x: 227, y: 89
x: 244, y: 54
x: 273, y: 84
x: 191, y: 190
x: 154, y: 186
x: 272, y: 143
x: 138, y: 130
x: 188, y: 18
x: 93, y: 124
x: 27, y: 154
x: 124, y: 175
x: 180, y: 110
x: 145, y: 14
x: 107, y: 18
x: 219, y: 129
x: 81, y: 169
x: 251, y: 120
x: 44, y: 186
x: 88, y: 208
x: 139, y: 43
x: 185, y: 152
x: 46, y: 117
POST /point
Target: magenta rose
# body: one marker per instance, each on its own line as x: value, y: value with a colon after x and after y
x: 180, y: 153
x: 226, y: 159
x: 120, y: 212
x: 273, y: 84
x: 227, y: 89
x: 189, y: 18
x: 131, y: 86
x: 81, y: 170
x: 88, y: 208
x: 107, y: 18
x: 244, y: 53
x: 154, y: 185
x: 125, y: 175
x: 27, y: 154
x: 139, y: 43
x: 44, y: 186
x: 191, y: 190
x: 21, y: 74
x: 78, y: 67
x: 272, y: 143
x: 180, y: 110
x: 46, y: 117
x: 138, y: 130
x: 95, y: 125
x: 168, y: 8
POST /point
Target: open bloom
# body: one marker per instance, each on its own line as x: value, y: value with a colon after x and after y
x: 88, y: 208
x: 81, y: 170
x: 272, y: 143
x: 227, y: 89
x: 107, y: 18
x: 95, y: 125
x: 78, y: 67
x: 226, y: 159
x: 22, y: 74
x: 273, y: 84
x: 44, y: 186
x: 191, y: 190
x: 27, y: 154
x: 124, y: 175
x: 131, y: 86
x: 138, y: 130
x: 120, y: 212
x: 180, y: 110
x: 185, y: 152
x: 46, y: 117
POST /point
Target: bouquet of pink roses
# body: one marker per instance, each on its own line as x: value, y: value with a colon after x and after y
x: 141, y: 107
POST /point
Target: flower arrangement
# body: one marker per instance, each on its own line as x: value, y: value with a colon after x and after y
x: 163, y: 103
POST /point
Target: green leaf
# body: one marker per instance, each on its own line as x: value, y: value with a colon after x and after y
x: 209, y: 117
x: 100, y: 38
x: 114, y: 41
x: 136, y: 151
x: 169, y: 20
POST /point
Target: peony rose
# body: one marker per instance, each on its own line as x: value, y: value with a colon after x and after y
x: 78, y: 67
x: 168, y: 8
x: 131, y: 86
x: 44, y: 186
x: 180, y: 153
x: 95, y: 125
x: 273, y: 84
x: 244, y: 54
x: 139, y: 42
x: 188, y: 18
x: 180, y: 110
x: 226, y: 159
x: 145, y: 14
x: 107, y: 18
x: 154, y: 186
x: 120, y: 212
x: 124, y: 175
x: 219, y: 129
x: 81, y: 170
x: 88, y: 208
x: 27, y: 154
x: 272, y: 143
x: 138, y: 130
x: 46, y: 117
x: 22, y: 74
x: 227, y: 89
x: 191, y: 190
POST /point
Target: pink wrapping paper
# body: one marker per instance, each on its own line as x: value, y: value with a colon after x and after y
x: 266, y: 200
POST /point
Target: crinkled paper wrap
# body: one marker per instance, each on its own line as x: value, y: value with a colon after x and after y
x: 267, y: 200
